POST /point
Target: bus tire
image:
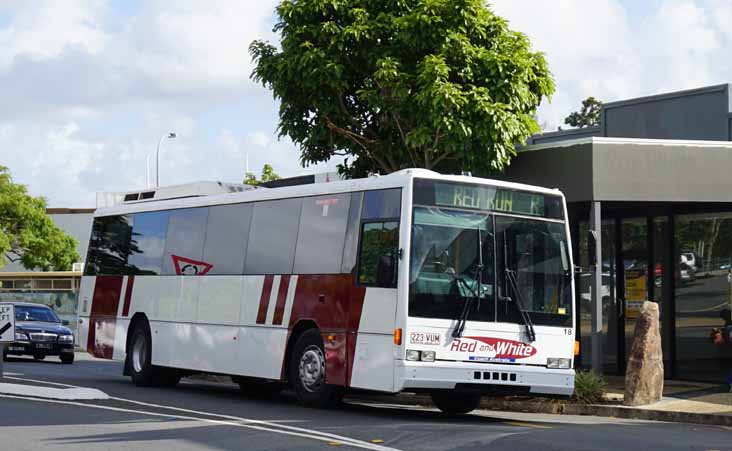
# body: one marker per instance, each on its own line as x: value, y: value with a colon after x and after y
x: 139, y: 355
x: 307, y: 372
x: 455, y: 403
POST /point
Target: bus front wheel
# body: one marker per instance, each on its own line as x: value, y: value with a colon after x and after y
x: 456, y: 403
x: 307, y: 371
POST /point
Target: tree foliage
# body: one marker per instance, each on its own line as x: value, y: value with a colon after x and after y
x: 27, y: 233
x: 588, y: 116
x: 268, y: 174
x: 439, y: 84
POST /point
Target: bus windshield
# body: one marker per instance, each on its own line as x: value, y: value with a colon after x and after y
x: 504, y: 266
x: 446, y: 264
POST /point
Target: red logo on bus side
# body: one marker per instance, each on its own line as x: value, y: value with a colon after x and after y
x: 189, y: 267
x: 494, y: 347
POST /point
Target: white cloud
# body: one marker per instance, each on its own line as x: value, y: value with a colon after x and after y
x: 42, y: 30
x: 596, y: 48
x: 259, y: 138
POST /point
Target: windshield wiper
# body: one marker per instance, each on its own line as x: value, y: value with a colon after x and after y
x: 511, y: 278
x: 513, y: 282
x: 474, y: 294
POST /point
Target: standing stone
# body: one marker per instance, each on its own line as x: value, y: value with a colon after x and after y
x: 644, y: 376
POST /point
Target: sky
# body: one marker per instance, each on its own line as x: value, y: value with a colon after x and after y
x: 88, y: 87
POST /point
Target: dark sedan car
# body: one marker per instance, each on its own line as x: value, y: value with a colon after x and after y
x: 40, y: 333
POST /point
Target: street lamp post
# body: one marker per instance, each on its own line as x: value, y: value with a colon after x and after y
x: 170, y: 135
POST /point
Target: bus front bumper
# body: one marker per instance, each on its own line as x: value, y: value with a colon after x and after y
x: 487, y: 377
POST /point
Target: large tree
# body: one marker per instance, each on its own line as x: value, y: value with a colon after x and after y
x: 439, y: 84
x: 27, y: 233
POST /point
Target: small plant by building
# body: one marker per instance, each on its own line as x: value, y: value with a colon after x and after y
x: 589, y: 387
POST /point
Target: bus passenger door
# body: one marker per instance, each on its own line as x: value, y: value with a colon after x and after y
x: 372, y: 365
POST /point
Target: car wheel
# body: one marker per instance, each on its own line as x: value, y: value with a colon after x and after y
x: 456, y: 403
x: 307, y: 372
x: 67, y: 359
x: 39, y: 357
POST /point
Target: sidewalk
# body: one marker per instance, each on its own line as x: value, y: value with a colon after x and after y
x: 682, y: 402
x: 694, y: 402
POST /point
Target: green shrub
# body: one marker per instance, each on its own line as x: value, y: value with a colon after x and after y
x: 588, y: 387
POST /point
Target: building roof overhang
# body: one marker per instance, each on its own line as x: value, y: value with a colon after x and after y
x: 629, y: 169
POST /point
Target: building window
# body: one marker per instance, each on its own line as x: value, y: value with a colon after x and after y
x: 703, y: 290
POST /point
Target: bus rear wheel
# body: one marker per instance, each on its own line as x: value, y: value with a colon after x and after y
x: 455, y: 403
x: 307, y: 372
x: 139, y: 361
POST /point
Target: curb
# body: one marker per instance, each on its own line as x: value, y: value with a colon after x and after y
x: 648, y: 414
x: 564, y: 408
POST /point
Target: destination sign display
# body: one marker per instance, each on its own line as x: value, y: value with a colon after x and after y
x: 490, y: 198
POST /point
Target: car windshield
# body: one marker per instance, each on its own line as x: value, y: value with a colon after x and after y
x: 42, y: 314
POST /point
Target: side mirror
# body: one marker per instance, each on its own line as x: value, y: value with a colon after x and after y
x: 385, y: 271
x: 65, y: 322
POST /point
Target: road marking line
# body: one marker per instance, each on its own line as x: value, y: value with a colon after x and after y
x: 241, y: 419
x: 42, y: 382
x: 278, y: 429
x: 527, y: 425
x: 52, y: 393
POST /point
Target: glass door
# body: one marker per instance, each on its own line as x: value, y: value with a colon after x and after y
x: 635, y: 276
x: 609, y: 291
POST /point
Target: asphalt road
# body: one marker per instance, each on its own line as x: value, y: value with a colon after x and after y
x: 200, y: 415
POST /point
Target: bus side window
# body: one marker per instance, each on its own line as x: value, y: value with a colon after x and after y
x: 378, y: 254
x: 109, y: 246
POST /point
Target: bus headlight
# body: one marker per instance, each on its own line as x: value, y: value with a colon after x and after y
x: 558, y: 364
x: 428, y: 356
x: 412, y: 355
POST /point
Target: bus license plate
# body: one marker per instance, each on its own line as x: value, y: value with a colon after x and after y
x: 43, y: 346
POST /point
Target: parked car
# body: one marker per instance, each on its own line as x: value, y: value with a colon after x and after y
x: 39, y: 333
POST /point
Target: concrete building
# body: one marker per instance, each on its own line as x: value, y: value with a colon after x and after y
x: 652, y: 186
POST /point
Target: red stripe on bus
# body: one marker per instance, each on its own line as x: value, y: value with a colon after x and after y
x: 334, y: 303
x: 264, y: 299
x: 128, y: 296
x: 103, y: 316
x: 279, y: 312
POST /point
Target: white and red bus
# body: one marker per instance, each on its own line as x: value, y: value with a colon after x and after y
x: 453, y: 285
